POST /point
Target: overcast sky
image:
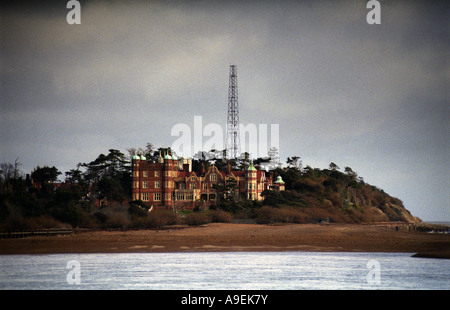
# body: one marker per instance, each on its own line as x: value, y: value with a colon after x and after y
x: 371, y: 97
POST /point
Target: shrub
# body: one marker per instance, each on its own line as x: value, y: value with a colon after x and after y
x: 291, y: 215
x: 136, y: 210
x: 14, y: 223
x: 139, y: 223
x: 73, y: 214
x: 99, y: 216
x: 46, y: 222
x: 117, y: 220
x: 155, y: 219
x: 197, y: 218
x: 220, y: 216
x: 265, y: 215
x: 160, y: 218
x: 269, y: 215
x: 19, y: 223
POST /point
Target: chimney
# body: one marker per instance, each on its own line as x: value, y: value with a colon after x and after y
x: 186, y: 168
x: 203, y: 169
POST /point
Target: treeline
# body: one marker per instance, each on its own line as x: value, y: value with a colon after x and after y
x: 39, y: 200
x: 96, y: 195
x: 93, y: 195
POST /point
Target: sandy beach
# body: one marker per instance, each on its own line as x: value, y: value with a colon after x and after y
x: 237, y: 237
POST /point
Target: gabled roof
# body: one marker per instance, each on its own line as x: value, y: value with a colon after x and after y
x: 238, y: 173
x: 261, y: 174
x: 182, y: 174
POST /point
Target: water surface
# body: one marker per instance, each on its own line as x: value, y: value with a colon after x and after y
x: 230, y: 270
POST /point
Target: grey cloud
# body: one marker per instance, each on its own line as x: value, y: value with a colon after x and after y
x: 360, y: 95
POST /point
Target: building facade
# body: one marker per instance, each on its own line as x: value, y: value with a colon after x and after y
x: 171, y: 183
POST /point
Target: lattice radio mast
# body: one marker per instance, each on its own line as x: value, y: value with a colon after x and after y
x: 233, y: 144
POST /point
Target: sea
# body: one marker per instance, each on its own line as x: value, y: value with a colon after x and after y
x: 224, y: 271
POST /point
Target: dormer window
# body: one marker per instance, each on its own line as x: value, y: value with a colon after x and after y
x: 213, y: 177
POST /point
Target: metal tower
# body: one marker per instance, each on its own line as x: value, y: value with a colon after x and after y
x: 233, y: 145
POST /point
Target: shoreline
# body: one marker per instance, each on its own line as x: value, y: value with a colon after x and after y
x: 227, y: 237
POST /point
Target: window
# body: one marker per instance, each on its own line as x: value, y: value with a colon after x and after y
x: 136, y: 184
x: 213, y: 177
x: 157, y: 184
x: 182, y: 186
x: 192, y: 178
x: 193, y: 186
x: 157, y: 197
x: 156, y: 173
x: 145, y: 174
x: 145, y: 197
x: 205, y: 185
x: 135, y: 173
x: 144, y: 184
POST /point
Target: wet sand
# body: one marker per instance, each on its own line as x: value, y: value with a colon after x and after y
x: 216, y: 237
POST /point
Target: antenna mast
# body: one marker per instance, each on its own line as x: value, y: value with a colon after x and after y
x: 233, y: 144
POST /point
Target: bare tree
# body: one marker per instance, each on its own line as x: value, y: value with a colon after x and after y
x: 17, y: 164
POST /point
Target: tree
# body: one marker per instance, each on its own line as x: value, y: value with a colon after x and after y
x: 226, y: 192
x: 243, y: 161
x: 111, y: 189
x: 116, y: 163
x: 352, y: 174
x: 45, y: 175
x: 149, y: 150
x: 108, y: 173
x: 42, y: 179
x: 333, y: 166
x: 289, y: 175
x: 74, y: 176
x: 112, y: 165
x: 10, y: 176
x: 294, y: 162
x: 6, y: 175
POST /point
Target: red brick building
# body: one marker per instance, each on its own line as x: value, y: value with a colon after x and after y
x: 171, y: 183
